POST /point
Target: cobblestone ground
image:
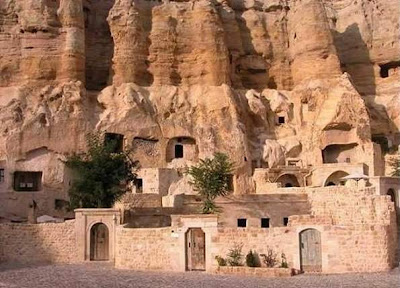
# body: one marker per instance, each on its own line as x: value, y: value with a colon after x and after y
x: 95, y: 275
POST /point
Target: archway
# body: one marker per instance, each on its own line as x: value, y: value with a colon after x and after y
x: 335, y: 178
x: 288, y: 180
x: 310, y: 251
x: 195, y: 249
x: 392, y: 195
x: 99, y: 242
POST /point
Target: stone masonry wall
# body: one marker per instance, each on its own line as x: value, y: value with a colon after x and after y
x: 144, y: 249
x: 259, y: 240
x: 347, y: 206
x: 38, y: 243
x: 356, y: 226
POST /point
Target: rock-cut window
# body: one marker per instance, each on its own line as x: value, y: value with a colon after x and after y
x: 2, y: 175
x: 27, y: 181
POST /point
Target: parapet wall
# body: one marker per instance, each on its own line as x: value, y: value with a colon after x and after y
x: 38, y: 243
x: 346, y: 206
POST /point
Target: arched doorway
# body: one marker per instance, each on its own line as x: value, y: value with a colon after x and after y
x: 288, y: 180
x: 310, y: 251
x: 335, y: 179
x: 99, y: 242
x: 392, y: 195
x: 195, y: 249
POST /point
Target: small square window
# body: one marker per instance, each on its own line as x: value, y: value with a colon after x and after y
x: 281, y: 120
x: 285, y: 221
x: 241, y: 222
x: 264, y: 222
x: 27, y: 181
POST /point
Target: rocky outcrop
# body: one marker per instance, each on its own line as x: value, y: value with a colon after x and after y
x: 264, y: 81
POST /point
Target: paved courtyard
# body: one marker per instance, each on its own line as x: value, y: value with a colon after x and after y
x: 95, y: 275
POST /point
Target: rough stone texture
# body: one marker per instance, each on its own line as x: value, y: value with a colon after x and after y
x: 220, y: 74
x: 38, y: 243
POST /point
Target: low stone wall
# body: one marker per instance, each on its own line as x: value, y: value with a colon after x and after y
x: 255, y: 271
x: 38, y: 243
x: 145, y: 249
x: 360, y: 248
x: 259, y: 240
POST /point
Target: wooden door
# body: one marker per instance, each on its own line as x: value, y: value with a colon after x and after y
x: 195, y: 249
x: 99, y: 242
x: 310, y: 251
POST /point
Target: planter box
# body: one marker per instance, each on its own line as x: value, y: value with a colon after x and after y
x: 255, y: 271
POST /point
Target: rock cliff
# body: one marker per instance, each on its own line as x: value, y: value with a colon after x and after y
x: 265, y: 81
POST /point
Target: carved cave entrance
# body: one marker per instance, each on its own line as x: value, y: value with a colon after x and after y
x: 310, y: 251
x: 335, y: 179
x: 99, y: 242
x: 195, y: 250
x: 288, y: 180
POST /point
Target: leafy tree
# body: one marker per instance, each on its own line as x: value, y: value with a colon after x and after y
x: 100, y: 174
x: 211, y: 178
x: 395, y: 165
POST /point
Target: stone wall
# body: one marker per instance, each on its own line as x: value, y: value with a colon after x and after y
x: 345, y: 249
x: 145, y: 249
x: 351, y: 207
x: 356, y: 226
x: 38, y: 243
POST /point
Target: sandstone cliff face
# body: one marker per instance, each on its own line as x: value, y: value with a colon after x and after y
x: 265, y: 81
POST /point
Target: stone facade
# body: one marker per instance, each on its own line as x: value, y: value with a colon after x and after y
x: 356, y: 225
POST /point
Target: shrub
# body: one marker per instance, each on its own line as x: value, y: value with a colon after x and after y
x: 221, y: 261
x: 284, y: 263
x: 270, y: 259
x: 252, y: 259
x: 235, y: 255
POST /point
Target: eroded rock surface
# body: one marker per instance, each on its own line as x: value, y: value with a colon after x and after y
x: 264, y: 81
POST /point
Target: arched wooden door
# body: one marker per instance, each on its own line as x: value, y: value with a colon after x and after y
x: 195, y: 249
x: 310, y: 251
x: 99, y: 242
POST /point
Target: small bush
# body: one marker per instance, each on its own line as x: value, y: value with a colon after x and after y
x: 235, y: 255
x: 252, y: 259
x: 284, y: 263
x: 270, y: 259
x: 221, y: 261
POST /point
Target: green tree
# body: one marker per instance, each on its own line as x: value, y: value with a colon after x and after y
x: 211, y: 178
x: 100, y: 175
x: 394, y: 163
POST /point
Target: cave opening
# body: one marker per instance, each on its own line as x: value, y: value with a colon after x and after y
x: 385, y: 68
